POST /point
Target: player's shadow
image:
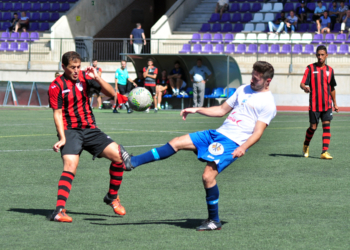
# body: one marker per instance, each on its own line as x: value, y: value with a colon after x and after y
x: 183, y: 223
x: 292, y: 155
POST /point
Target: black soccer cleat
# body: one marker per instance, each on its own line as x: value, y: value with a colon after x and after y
x: 126, y: 158
x: 209, y: 225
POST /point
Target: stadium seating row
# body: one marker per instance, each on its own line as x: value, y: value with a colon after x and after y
x: 33, y: 26
x: 54, y: 7
x: 35, y: 16
x: 209, y: 93
x: 242, y: 1
x: 271, y: 38
x: 15, y: 36
x: 262, y: 49
x: 14, y: 46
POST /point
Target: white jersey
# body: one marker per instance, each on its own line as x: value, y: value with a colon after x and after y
x: 249, y: 107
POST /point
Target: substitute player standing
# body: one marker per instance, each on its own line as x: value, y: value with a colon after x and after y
x: 320, y: 79
x: 77, y: 131
x: 150, y: 74
x: 251, y: 108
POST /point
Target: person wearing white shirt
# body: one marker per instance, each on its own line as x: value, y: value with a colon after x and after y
x: 200, y: 74
x: 23, y: 23
x: 251, y: 109
x: 221, y: 7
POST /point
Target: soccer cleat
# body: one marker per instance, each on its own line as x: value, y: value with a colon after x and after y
x: 209, y: 225
x: 155, y: 110
x: 115, y: 111
x: 326, y: 156
x: 130, y: 111
x: 126, y: 158
x: 115, y: 204
x: 61, y: 216
x: 147, y: 110
x: 306, y: 151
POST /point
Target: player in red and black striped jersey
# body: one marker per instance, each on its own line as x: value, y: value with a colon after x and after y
x: 320, y: 83
x: 150, y: 74
x: 77, y: 131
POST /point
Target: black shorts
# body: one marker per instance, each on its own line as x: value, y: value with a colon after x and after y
x: 92, y: 140
x: 325, y: 116
x: 24, y: 25
x: 122, y: 89
x: 151, y: 89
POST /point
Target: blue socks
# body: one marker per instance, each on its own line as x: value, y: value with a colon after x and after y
x: 213, y: 202
x: 155, y: 154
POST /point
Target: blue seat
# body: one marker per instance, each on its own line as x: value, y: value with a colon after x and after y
x: 45, y: 17
x: 35, y: 16
x: 54, y: 17
x: 228, y: 92
x: 217, y: 92
x: 45, y: 7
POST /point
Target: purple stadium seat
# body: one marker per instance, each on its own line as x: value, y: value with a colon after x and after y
x: 256, y: 7
x: 241, y: 48
x: 1, y: 6
x: 329, y: 38
x: 13, y: 47
x: 4, y: 46
x: 65, y: 7
x: 318, y: 38
x: 245, y: 7
x: 275, y: 48
x: 216, y: 27
x: 23, y: 47
x: 206, y: 38
x: 215, y: 17
x: 228, y: 38
x: 298, y: 48
x: 332, y: 49
x: 205, y: 27
x: 14, y: 36
x: 55, y: 7
x: 341, y: 38
x: 286, y: 49
x: 217, y: 38
x: 234, y: 7
x: 196, y: 38
x: 26, y: 6
x: 251, y: 1
x: 45, y: 7
x: 5, y: 36
x: 45, y: 17
x: 237, y: 17
x: 6, y: 25
x: 303, y: 27
x: 197, y: 48
x: 336, y: 27
x: 33, y: 26
x: 311, y: 6
x: 247, y: 17
x: 348, y: 41
x: 309, y: 49
x: 208, y: 48
x: 54, y: 17
x: 219, y: 49
x: 238, y: 27
x: 252, y: 49
x: 35, y: 16
x: 24, y: 37
x: 17, y: 7
x: 288, y: 7
x: 227, y: 27
x: 264, y: 48
x: 7, y: 7
x: 7, y: 16
x: 313, y: 27
x: 44, y: 26
x: 230, y: 48
x: 343, y: 49
x: 226, y: 17
x: 36, y: 7
x: 186, y: 49
x: 71, y: 1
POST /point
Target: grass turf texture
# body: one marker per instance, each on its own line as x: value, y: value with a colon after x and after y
x: 272, y: 198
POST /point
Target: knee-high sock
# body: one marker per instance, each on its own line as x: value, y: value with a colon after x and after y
x: 309, y: 134
x: 213, y: 202
x: 116, y: 172
x: 155, y: 154
x: 64, y: 187
x: 326, y: 136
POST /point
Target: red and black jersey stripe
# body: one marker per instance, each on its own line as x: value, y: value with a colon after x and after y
x: 321, y: 82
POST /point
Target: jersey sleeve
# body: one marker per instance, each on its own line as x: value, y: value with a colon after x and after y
x: 333, y: 83
x: 156, y: 71
x: 306, y: 78
x: 267, y: 113
x: 116, y: 74
x: 91, y: 84
x: 100, y: 70
x: 232, y: 100
x: 144, y: 69
x: 207, y: 71
x: 55, y: 96
x: 192, y: 71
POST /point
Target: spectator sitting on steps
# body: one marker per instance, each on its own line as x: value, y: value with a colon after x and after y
x: 221, y: 7
x: 277, y: 25
x: 324, y: 24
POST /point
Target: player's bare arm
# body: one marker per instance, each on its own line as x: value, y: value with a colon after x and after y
x: 215, y: 111
x: 336, y: 109
x: 57, y: 116
x: 305, y: 88
x: 106, y: 88
x: 254, y: 138
x: 132, y: 81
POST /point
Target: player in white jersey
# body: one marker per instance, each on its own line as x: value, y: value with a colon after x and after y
x: 251, y: 108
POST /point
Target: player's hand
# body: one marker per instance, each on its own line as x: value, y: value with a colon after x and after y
x: 306, y: 90
x: 187, y: 111
x: 135, y: 85
x: 144, y: 43
x: 91, y: 71
x: 58, y: 145
x: 336, y: 109
x: 239, y: 152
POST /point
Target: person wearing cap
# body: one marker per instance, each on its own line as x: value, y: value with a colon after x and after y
x: 342, y: 11
x: 346, y: 22
x: 324, y: 23
x: 318, y: 11
x: 302, y: 11
x: 333, y: 13
x: 277, y: 25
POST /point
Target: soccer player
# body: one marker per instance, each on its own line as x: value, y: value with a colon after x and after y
x: 320, y: 79
x: 77, y: 130
x: 150, y: 74
x: 161, y: 88
x: 98, y: 95
x: 251, y: 108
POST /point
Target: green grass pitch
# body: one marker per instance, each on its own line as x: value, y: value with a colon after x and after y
x: 272, y: 198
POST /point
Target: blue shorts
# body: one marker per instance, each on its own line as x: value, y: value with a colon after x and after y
x: 214, y: 147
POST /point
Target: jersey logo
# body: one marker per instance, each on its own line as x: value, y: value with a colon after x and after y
x: 54, y: 86
x: 65, y: 91
x: 216, y: 148
x: 327, y: 73
x: 79, y: 86
x: 315, y: 72
x: 232, y: 119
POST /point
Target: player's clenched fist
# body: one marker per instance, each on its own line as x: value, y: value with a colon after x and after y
x: 58, y: 145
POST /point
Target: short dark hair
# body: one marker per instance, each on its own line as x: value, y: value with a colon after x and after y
x: 326, y: 11
x: 177, y: 62
x: 319, y: 1
x: 57, y: 73
x: 122, y: 61
x: 94, y: 59
x: 265, y: 68
x: 321, y: 47
x: 70, y: 56
x: 283, y: 12
x: 138, y: 25
x: 15, y: 13
x: 342, y: 1
x: 199, y: 59
x: 150, y: 59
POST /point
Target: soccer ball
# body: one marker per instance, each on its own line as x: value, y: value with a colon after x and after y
x: 140, y: 99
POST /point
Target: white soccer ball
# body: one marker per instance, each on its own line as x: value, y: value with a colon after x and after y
x: 140, y: 99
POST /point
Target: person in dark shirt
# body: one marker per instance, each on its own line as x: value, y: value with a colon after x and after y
x: 136, y: 37
x: 14, y: 22
x: 162, y: 86
x: 278, y: 24
x: 302, y: 11
x: 176, y: 78
x: 140, y: 81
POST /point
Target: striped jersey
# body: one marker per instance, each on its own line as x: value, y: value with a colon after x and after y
x: 72, y: 98
x: 148, y: 80
x: 321, y: 82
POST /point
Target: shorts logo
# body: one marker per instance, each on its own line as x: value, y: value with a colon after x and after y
x: 108, y: 137
x: 211, y: 157
x: 65, y: 91
x: 331, y: 113
x: 216, y: 148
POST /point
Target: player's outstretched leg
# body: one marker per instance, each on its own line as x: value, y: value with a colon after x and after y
x: 326, y: 138
x: 309, y: 134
